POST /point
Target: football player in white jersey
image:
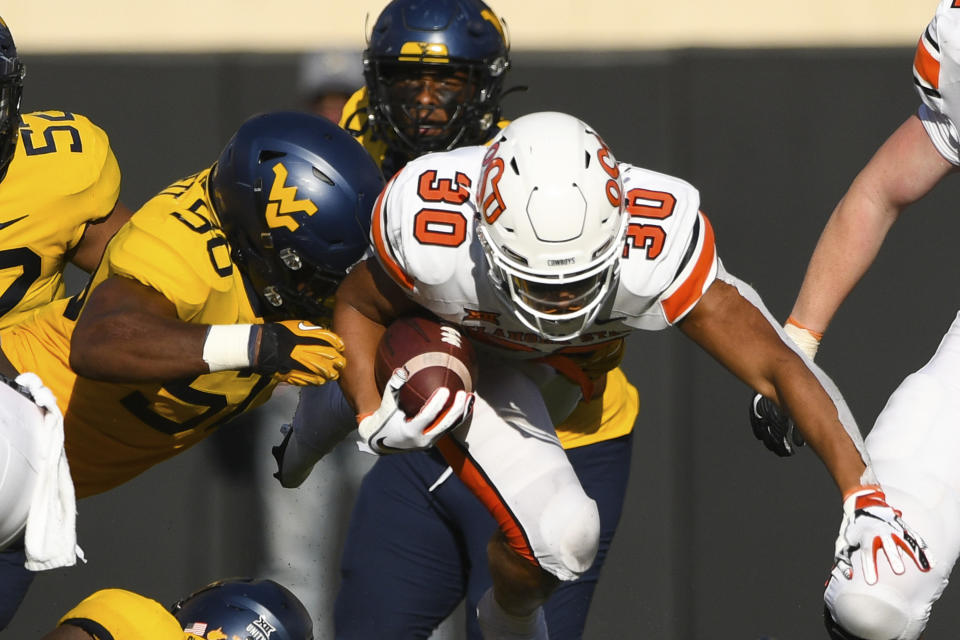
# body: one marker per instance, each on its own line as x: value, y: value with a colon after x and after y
x: 539, y: 246
x: 915, y: 443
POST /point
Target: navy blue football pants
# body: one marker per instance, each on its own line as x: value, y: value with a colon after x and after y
x: 412, y: 553
x: 15, y: 580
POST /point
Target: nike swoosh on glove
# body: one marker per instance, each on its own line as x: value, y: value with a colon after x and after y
x: 298, y: 352
x: 389, y: 430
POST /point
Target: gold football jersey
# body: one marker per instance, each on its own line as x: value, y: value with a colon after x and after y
x: 114, y: 431
x: 610, y: 416
x: 354, y: 120
x: 124, y: 615
x: 62, y: 177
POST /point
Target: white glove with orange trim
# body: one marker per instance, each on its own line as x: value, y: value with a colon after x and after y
x: 872, y: 526
x: 388, y: 430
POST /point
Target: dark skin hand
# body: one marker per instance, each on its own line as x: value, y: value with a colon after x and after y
x: 129, y: 332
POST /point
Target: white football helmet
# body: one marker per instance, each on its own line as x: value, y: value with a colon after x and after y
x: 552, y: 222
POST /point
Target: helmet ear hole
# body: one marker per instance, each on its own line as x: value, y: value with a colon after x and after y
x: 269, y: 155
x: 321, y: 176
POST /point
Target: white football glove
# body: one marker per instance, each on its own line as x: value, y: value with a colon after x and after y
x: 872, y: 526
x: 388, y: 430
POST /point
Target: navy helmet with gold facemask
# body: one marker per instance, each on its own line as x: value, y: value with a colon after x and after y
x: 456, y: 50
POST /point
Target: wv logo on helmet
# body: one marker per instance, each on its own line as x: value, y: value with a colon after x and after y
x: 282, y: 202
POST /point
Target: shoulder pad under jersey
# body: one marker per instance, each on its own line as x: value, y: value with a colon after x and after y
x: 670, y: 258
x: 174, y: 245
x: 69, y: 154
x: 423, y: 220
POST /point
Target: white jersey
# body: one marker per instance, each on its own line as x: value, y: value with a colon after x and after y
x: 936, y: 76
x: 424, y: 236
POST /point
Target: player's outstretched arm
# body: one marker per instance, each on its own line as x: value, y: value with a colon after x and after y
x: 903, y: 170
x: 737, y: 333
x: 741, y: 338
x: 129, y: 332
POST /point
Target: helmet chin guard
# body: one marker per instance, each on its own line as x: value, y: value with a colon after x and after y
x: 552, y: 222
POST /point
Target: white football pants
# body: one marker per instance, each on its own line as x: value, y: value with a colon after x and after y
x: 915, y: 448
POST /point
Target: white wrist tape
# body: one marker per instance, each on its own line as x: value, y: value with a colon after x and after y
x: 227, y: 346
x: 803, y: 338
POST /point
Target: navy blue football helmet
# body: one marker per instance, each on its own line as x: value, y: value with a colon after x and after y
x: 11, y: 89
x: 459, y: 50
x: 244, y: 609
x: 294, y: 194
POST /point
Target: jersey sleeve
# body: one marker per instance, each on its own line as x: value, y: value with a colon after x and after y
x: 936, y: 77
x: 104, y: 186
x: 417, y: 241
x: 117, y: 614
x: 696, y: 273
x: 73, y: 162
x: 161, y: 252
x: 670, y: 258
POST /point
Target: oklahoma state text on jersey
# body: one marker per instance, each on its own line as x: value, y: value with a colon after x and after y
x: 62, y: 177
x: 173, y: 244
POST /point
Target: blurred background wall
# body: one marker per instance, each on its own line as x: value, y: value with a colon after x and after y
x: 719, y: 539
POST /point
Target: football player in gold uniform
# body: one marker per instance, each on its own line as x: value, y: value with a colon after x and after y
x: 434, y: 81
x: 59, y: 184
x: 206, y: 300
x: 223, y: 610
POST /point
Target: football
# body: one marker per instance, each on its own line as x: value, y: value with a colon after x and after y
x: 435, y: 354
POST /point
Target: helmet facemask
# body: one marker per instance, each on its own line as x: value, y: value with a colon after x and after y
x: 426, y: 107
x: 551, y: 223
x: 11, y: 89
x: 559, y: 307
x: 301, y: 288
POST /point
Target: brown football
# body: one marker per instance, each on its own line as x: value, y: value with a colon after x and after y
x: 436, y: 354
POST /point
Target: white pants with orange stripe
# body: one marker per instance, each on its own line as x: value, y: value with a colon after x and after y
x: 915, y: 448
x: 510, y: 457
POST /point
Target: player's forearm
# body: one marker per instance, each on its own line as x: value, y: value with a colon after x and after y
x: 846, y: 249
x: 904, y: 169
x: 361, y: 335
x: 818, y: 419
x: 138, y: 347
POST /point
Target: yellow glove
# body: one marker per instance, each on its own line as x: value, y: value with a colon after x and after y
x: 298, y: 352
